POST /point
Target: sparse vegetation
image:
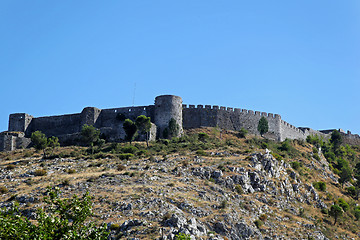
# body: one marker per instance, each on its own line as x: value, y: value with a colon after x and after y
x: 40, y: 172
x: 3, y: 189
x: 170, y: 164
x: 321, y: 186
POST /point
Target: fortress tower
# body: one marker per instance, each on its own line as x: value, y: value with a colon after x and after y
x: 166, y: 108
x: 19, y: 122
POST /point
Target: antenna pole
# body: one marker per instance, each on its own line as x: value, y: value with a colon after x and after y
x: 133, y: 103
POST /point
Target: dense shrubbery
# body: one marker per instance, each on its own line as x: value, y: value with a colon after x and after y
x: 321, y: 186
x: 341, y: 158
x: 59, y: 219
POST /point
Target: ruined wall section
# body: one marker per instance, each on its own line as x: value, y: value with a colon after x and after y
x: 56, y: 125
x: 111, y: 125
x: 19, y: 122
x: 89, y: 116
x: 10, y: 141
x: 351, y: 139
x: 229, y: 118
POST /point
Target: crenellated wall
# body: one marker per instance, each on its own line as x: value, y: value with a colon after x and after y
x: 166, y: 107
x: 289, y: 131
x: 229, y: 118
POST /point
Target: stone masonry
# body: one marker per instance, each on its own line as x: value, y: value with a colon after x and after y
x: 166, y: 107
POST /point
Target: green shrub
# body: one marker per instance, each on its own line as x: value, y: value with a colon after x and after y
x: 126, y: 156
x: 3, y: 189
x: 129, y: 149
x: 330, y: 156
x: 182, y: 236
x: 315, y: 150
x: 114, y: 227
x: 277, y: 156
x: 357, y: 213
x: 52, y: 221
x: 321, y: 186
x: 71, y: 171
x: 201, y: 152
x: 285, y: 145
x: 324, y: 211
x: 203, y: 137
x: 295, y: 165
x: 27, y: 154
x: 316, y: 156
x: 258, y: 223
x: 239, y: 189
x: 223, y: 204
x: 40, y: 172
x: 121, y: 167
x: 10, y: 166
x: 65, y: 182
x: 242, y: 133
x: 264, y: 145
x: 351, y: 191
x: 301, y: 212
x: 263, y: 217
x: 343, y: 204
x: 315, y: 140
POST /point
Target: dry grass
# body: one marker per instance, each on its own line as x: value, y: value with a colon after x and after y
x: 133, y: 178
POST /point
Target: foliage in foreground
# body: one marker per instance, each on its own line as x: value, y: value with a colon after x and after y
x: 59, y: 219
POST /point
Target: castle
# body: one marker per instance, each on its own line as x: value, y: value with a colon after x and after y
x: 110, y: 121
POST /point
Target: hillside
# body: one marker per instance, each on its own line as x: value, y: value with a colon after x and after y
x: 208, y: 185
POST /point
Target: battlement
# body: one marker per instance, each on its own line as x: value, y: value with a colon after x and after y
x: 165, y: 108
x: 230, y: 109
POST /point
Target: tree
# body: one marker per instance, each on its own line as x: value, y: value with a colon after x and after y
x: 40, y: 141
x: 343, y: 204
x: 53, y: 142
x: 144, y: 125
x: 263, y: 126
x: 130, y: 130
x: 336, y: 140
x: 172, y: 130
x: 89, y: 134
x: 345, y: 175
x: 58, y: 219
x: 335, y: 211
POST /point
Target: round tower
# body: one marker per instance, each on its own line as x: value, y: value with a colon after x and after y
x: 168, y: 107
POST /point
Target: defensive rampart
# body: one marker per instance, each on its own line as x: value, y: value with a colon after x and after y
x: 165, y: 108
x: 229, y: 118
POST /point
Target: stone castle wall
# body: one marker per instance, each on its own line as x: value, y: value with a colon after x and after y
x: 166, y: 107
x: 229, y: 118
x: 289, y: 131
x: 10, y: 141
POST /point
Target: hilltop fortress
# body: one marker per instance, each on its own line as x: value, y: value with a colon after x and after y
x: 110, y: 122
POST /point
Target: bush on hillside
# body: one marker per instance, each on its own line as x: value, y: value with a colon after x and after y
x: 58, y: 219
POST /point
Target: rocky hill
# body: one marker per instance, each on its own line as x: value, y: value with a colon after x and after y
x: 207, y: 185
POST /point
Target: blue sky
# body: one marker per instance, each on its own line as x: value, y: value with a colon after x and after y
x: 300, y: 58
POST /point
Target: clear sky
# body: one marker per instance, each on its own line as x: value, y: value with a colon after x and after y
x: 298, y: 58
